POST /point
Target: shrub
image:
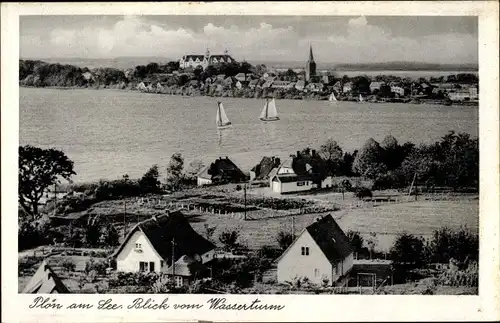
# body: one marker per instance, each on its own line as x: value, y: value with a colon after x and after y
x: 229, y: 239
x: 285, y: 239
x: 362, y: 192
x: 68, y: 265
x: 408, y: 249
x: 162, y: 285
x: 98, y: 266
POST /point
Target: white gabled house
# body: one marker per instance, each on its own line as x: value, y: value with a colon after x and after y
x: 321, y: 252
x: 152, y: 244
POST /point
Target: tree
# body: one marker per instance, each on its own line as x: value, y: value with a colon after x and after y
x: 152, y: 68
x: 229, y: 239
x: 356, y: 240
x: 368, y: 161
x: 331, y: 152
x: 198, y: 72
x: 408, y: 249
x: 111, y: 236
x: 174, y: 171
x: 346, y: 186
x: 38, y: 170
x: 284, y: 239
x: 149, y: 182
x: 372, y: 243
x: 92, y: 235
x: 209, y: 231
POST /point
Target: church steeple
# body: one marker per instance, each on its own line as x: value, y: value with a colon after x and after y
x: 310, y: 66
x: 311, y: 57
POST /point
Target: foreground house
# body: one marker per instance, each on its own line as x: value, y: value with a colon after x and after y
x: 222, y: 170
x: 45, y: 281
x: 321, y: 253
x: 152, y: 244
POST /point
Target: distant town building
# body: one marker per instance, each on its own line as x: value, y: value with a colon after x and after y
x: 347, y: 87
x: 375, y: 86
x: 195, y: 60
x: 310, y: 66
x: 398, y: 90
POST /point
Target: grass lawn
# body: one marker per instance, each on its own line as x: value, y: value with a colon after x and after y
x: 420, y: 218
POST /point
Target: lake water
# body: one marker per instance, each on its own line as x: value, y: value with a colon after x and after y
x: 110, y: 133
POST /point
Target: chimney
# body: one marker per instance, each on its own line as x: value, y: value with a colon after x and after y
x: 313, y: 153
x: 154, y: 217
x: 298, y: 153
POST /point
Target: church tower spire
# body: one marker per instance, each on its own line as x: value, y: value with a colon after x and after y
x: 310, y: 66
x: 311, y: 57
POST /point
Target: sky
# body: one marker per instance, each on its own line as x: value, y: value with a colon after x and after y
x: 335, y: 39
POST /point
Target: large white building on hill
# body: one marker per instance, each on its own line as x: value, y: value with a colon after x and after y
x: 195, y: 60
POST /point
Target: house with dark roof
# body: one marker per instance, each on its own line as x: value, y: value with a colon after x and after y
x: 321, y: 252
x: 262, y: 170
x: 45, y: 281
x: 161, y: 242
x: 222, y: 170
x: 301, y: 172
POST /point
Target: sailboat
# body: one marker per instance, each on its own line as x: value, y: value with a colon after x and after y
x: 269, y: 113
x: 360, y: 99
x: 332, y: 97
x: 222, y: 121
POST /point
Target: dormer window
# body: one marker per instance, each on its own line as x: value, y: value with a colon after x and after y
x: 138, y: 246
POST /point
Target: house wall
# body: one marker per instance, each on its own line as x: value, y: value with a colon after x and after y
x: 343, y: 267
x: 203, y: 181
x: 294, y: 187
x: 293, y: 264
x: 207, y: 256
x: 327, y: 182
x: 128, y: 259
x: 285, y: 170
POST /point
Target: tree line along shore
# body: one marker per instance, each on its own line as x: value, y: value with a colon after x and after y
x: 247, y: 81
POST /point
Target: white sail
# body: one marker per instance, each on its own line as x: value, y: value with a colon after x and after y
x: 332, y: 97
x: 271, y: 109
x: 221, y: 119
x: 263, y: 114
x: 269, y: 112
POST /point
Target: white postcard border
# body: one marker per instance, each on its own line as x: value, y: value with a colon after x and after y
x: 297, y: 307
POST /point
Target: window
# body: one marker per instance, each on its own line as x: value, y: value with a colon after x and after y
x: 316, y: 272
x: 162, y: 263
x: 151, y: 266
x: 138, y: 246
x: 305, y: 251
x: 300, y: 183
x: 178, y: 281
x: 143, y: 266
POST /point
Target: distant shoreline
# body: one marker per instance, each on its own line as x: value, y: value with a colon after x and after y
x: 316, y: 98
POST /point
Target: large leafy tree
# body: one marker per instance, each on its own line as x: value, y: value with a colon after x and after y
x: 38, y: 170
x: 174, y: 171
x: 408, y: 249
x: 149, y: 182
x: 369, y: 160
x: 331, y: 152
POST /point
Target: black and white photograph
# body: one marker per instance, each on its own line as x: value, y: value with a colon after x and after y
x: 248, y: 155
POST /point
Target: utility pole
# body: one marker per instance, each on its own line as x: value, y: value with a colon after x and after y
x: 173, y: 259
x: 245, y: 194
x: 55, y: 198
x: 293, y: 227
x: 124, y: 219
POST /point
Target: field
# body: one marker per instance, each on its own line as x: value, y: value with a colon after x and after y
x: 420, y: 218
